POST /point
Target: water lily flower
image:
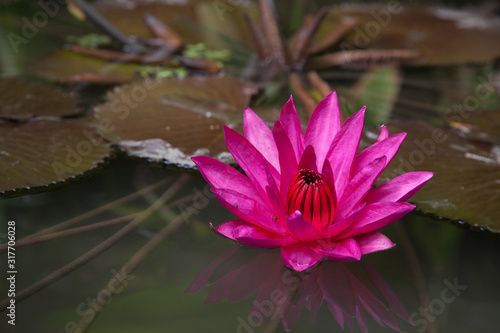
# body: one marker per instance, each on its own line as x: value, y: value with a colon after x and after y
x: 310, y: 194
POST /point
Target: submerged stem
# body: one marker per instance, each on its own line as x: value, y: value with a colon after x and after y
x: 83, y: 259
x: 102, y: 209
x: 131, y: 265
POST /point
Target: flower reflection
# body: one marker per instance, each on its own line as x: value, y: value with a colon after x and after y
x: 348, y: 290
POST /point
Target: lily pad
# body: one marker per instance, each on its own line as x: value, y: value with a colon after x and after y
x: 441, y: 35
x: 44, y: 152
x: 22, y: 100
x: 170, y: 120
x: 69, y: 67
x: 465, y: 187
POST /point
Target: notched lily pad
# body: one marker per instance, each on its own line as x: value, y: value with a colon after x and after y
x: 466, y: 182
x: 170, y: 120
x: 43, y: 152
x: 22, y: 100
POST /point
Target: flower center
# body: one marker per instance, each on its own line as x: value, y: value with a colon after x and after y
x: 310, y: 194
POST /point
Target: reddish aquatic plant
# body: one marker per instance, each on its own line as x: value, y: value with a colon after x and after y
x: 310, y: 194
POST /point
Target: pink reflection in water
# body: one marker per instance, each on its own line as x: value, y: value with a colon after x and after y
x: 349, y: 290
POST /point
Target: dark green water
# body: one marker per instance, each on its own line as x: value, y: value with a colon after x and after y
x: 446, y: 277
x: 154, y: 299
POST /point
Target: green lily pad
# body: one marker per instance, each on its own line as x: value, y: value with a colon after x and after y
x: 44, y: 152
x: 69, y: 67
x: 442, y: 35
x: 22, y: 100
x: 170, y: 120
x: 465, y: 187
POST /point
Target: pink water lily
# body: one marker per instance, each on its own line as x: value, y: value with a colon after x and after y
x: 310, y: 194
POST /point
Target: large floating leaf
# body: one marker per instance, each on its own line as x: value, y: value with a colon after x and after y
x: 69, y: 67
x: 465, y: 186
x: 43, y: 152
x: 218, y: 28
x: 21, y: 100
x: 170, y: 120
x: 441, y: 35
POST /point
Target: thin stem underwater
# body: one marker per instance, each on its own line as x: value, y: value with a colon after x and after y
x: 94, y: 252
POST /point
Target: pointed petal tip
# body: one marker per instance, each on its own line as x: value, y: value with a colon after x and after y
x: 195, y: 159
x: 332, y: 94
x: 429, y: 174
x: 374, y: 242
x: 223, y: 231
x: 227, y: 130
x: 249, y: 115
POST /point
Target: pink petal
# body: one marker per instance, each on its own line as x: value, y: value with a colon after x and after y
x: 288, y: 162
x: 400, y: 188
x: 323, y: 127
x: 261, y: 137
x: 360, y: 184
x: 328, y: 174
x: 377, y: 215
x: 249, y: 210
x: 291, y: 124
x: 249, y: 159
x: 373, y: 242
x: 255, y: 237
x: 273, y: 190
x: 301, y: 229
x: 221, y: 175
x: 251, y: 235
x: 344, y: 149
x: 339, y: 250
x: 276, y: 205
x: 387, y: 148
x: 226, y: 229
x: 340, y: 224
x: 384, y: 133
x: 299, y: 257
x: 308, y: 160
